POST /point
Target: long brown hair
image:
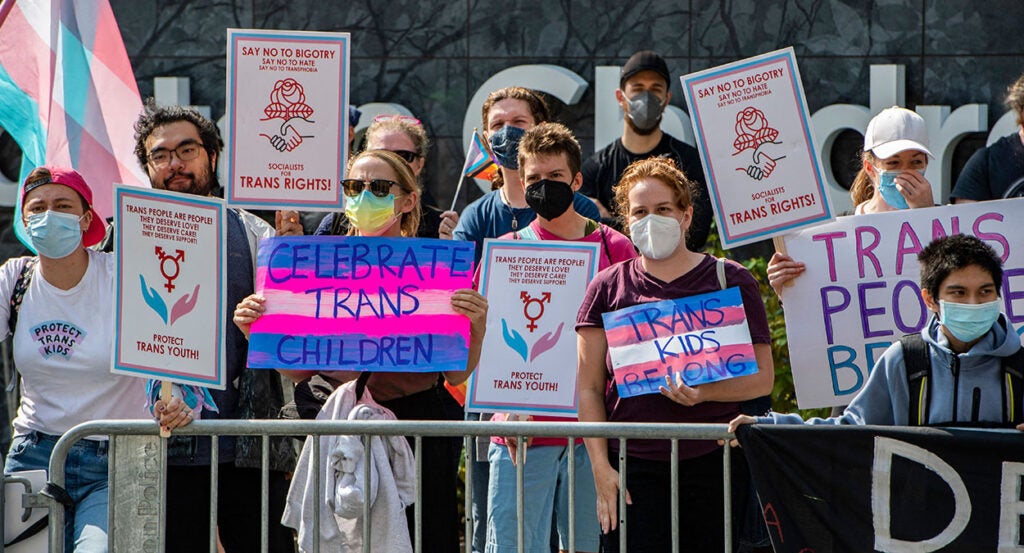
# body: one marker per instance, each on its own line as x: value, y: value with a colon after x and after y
x: 406, y: 181
x: 863, y: 188
x: 538, y: 109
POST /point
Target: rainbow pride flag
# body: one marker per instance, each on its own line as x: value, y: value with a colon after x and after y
x: 361, y: 303
x: 67, y: 93
x: 702, y: 338
x: 479, y: 163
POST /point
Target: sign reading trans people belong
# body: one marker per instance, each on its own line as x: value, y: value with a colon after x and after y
x: 753, y: 132
x: 701, y: 339
x: 354, y: 303
x: 287, y: 111
x: 170, y: 287
x: 861, y: 289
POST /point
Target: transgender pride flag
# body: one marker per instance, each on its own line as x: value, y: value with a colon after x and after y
x: 67, y: 92
x: 700, y: 338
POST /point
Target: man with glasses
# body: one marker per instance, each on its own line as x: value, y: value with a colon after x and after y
x: 179, y: 148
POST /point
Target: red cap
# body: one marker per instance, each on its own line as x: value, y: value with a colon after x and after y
x: 71, y: 179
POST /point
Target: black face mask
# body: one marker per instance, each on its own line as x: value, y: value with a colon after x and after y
x: 549, y: 198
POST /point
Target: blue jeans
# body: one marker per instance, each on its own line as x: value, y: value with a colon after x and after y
x: 85, y: 528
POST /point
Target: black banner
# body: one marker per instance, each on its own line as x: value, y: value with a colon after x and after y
x: 869, y: 488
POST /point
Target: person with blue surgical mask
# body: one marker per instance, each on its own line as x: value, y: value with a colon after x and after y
x: 895, y: 157
x: 60, y: 316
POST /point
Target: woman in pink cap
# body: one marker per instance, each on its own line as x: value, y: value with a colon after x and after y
x: 61, y: 319
x: 891, y: 177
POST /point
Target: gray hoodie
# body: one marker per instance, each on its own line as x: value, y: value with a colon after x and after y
x: 884, y: 400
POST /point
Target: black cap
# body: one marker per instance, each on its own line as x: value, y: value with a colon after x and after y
x: 644, y: 60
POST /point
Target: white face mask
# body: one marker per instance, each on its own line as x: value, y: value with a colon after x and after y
x: 656, y: 236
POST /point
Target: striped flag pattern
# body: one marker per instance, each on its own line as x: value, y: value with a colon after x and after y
x: 479, y: 163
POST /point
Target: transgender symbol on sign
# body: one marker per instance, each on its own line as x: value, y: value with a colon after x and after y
x: 752, y: 131
x: 288, y: 103
x: 170, y: 268
x: 533, y: 310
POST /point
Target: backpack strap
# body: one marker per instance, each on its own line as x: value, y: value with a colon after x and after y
x: 1013, y: 387
x: 917, y: 363
x: 18, y: 294
x: 720, y: 271
x: 527, y: 233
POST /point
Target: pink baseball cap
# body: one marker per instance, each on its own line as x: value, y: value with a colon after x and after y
x: 71, y: 179
x: 895, y: 130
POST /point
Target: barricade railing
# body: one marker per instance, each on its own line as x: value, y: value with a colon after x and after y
x: 137, y: 469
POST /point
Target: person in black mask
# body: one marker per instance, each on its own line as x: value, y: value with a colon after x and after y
x: 549, y: 160
x: 643, y: 95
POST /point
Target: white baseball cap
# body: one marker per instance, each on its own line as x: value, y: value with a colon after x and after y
x: 894, y: 130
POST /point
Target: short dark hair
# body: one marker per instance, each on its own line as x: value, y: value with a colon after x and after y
x: 551, y: 139
x: 952, y: 253
x: 154, y: 116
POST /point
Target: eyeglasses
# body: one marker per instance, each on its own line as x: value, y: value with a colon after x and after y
x: 408, y: 156
x: 406, y: 118
x: 184, y: 152
x: 378, y: 187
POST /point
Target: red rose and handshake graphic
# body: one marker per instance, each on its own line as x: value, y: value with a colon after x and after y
x: 287, y: 103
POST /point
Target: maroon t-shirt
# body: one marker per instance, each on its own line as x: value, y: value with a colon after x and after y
x: 627, y: 284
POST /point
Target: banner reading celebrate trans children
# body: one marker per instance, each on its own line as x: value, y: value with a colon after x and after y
x: 287, y: 110
x: 827, y: 488
x: 534, y: 289
x: 169, y: 321
x: 861, y: 289
x: 753, y: 131
x: 367, y: 304
x: 701, y: 339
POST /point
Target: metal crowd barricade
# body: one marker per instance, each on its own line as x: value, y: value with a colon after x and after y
x: 138, y: 470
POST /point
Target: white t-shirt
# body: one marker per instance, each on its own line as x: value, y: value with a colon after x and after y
x: 62, y: 348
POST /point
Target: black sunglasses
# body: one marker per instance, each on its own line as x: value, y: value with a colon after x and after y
x: 408, y: 156
x: 378, y: 187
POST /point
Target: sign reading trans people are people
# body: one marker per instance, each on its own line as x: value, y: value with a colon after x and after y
x: 287, y: 111
x: 355, y: 303
x: 170, y: 286
x: 696, y: 340
x: 534, y: 289
x: 753, y: 132
x: 861, y: 289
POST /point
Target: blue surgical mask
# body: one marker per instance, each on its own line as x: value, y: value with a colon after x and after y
x: 54, y: 234
x: 887, y: 188
x: 968, y: 321
x: 505, y: 146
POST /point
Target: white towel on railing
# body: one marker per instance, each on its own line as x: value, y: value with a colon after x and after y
x: 342, y: 458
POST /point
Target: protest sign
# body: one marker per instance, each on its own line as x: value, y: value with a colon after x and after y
x: 170, y: 286
x: 355, y: 303
x: 287, y: 118
x: 534, y: 289
x: 753, y: 132
x: 872, y: 488
x: 860, y: 291
x: 702, y: 338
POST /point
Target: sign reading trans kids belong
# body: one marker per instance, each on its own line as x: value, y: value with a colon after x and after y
x: 861, y: 288
x: 170, y: 286
x: 697, y: 339
x: 287, y: 110
x: 753, y: 131
x: 354, y: 303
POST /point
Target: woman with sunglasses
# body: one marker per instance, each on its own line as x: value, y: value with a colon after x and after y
x: 382, y: 199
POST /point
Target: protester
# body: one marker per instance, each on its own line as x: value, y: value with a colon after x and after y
x: 893, y: 162
x: 382, y: 199
x: 179, y: 149
x: 967, y: 351
x: 655, y: 198
x: 549, y: 161
x: 643, y: 95
x: 406, y: 137
x: 507, y: 114
x: 993, y: 170
x: 61, y: 317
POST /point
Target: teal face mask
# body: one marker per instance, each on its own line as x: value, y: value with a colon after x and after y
x: 887, y: 188
x: 966, y: 321
x: 54, y: 234
x: 370, y: 215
